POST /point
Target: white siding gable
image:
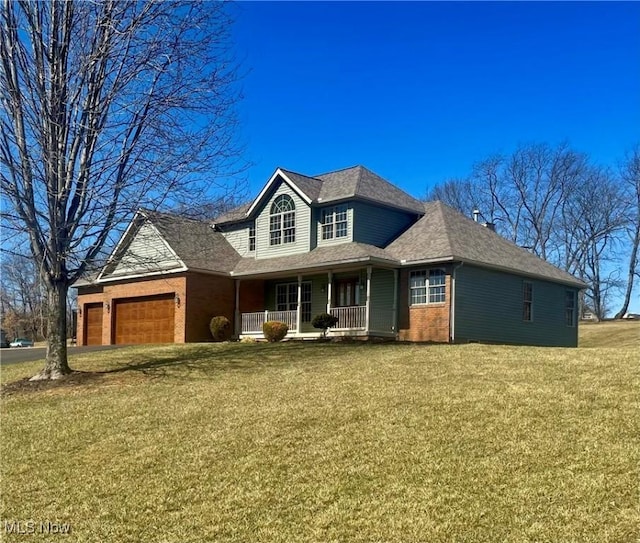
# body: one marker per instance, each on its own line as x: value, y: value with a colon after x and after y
x: 148, y: 252
x: 302, y: 243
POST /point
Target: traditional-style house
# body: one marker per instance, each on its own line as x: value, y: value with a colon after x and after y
x: 348, y: 243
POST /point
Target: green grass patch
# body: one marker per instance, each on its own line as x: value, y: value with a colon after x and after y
x: 316, y: 442
x: 622, y: 333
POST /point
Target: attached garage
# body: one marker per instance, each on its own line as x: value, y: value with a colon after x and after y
x: 93, y: 324
x: 148, y: 319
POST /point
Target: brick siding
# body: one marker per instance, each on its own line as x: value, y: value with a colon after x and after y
x: 430, y: 322
x: 133, y: 288
x: 208, y: 296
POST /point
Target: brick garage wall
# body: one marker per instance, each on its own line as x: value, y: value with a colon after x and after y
x: 134, y: 288
x: 86, y: 295
x: 208, y: 296
x: 429, y: 322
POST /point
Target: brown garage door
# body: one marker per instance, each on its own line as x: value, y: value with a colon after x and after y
x: 144, y: 320
x: 93, y: 324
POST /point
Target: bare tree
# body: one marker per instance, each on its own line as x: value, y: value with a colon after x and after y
x: 23, y: 298
x: 106, y: 107
x: 555, y: 203
x: 456, y: 193
x: 630, y: 175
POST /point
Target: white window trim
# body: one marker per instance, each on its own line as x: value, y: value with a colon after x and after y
x: 281, y: 216
x: 252, y: 237
x: 427, y: 287
x: 333, y: 212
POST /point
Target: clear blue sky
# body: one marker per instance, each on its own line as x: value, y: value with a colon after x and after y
x: 419, y: 91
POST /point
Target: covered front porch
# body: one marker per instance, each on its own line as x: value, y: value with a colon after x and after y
x: 364, y: 301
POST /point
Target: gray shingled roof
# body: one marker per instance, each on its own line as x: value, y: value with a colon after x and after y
x: 356, y: 182
x: 309, y: 185
x: 236, y: 214
x: 196, y: 243
x: 445, y: 234
x: 441, y: 235
x: 317, y: 258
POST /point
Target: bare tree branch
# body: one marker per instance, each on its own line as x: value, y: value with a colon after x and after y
x: 107, y: 107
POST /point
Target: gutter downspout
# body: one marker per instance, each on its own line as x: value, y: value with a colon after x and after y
x: 452, y: 308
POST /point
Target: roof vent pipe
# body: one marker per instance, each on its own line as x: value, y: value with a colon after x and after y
x: 476, y: 214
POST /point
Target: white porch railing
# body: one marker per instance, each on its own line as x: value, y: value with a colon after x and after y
x: 252, y: 322
x: 350, y: 317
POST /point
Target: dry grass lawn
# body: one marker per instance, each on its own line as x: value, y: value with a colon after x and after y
x: 321, y: 442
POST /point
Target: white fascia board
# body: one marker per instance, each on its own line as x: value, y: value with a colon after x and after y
x: 142, y: 275
x: 405, y: 262
x: 272, y: 180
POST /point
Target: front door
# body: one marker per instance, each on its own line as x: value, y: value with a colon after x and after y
x: 347, y: 292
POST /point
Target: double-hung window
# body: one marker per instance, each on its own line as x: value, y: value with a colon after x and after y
x: 427, y: 287
x: 282, y: 221
x: 527, y: 301
x: 570, y: 307
x: 252, y: 237
x: 287, y: 299
x: 436, y: 286
x: 334, y: 222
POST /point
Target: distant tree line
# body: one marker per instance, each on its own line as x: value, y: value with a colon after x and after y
x: 557, y: 203
x: 23, y: 299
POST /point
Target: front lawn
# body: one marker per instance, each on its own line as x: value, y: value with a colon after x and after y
x: 308, y: 442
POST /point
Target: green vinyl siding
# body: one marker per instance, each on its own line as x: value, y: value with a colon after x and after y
x: 377, y: 225
x: 148, y: 252
x: 382, y: 287
x: 302, y: 243
x: 238, y: 237
x: 317, y: 230
x: 489, y: 308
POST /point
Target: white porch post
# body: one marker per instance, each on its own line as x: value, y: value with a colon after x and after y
x: 237, y: 316
x: 329, y: 287
x: 394, y: 322
x: 368, y: 302
x: 299, y: 306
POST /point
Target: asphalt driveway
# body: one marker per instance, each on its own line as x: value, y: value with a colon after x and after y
x: 28, y: 354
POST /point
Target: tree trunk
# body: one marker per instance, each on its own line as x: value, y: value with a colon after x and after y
x: 632, y: 271
x: 56, y: 365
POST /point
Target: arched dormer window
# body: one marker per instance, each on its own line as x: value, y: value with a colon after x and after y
x: 282, y: 221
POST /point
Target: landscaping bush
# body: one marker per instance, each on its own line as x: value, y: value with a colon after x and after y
x: 324, y: 321
x: 221, y: 328
x: 274, y: 330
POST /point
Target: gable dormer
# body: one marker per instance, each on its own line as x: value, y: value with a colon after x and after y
x: 295, y: 214
x: 282, y: 218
